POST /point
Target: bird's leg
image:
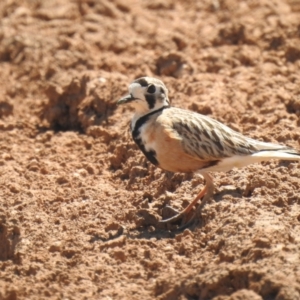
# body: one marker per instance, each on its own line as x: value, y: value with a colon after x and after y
x: 206, y: 192
x: 209, y: 192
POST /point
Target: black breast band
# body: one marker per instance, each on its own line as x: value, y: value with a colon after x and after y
x: 151, y: 155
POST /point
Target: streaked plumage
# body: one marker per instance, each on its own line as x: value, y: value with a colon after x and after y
x: 179, y: 140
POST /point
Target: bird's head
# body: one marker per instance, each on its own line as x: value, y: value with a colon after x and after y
x: 146, y: 94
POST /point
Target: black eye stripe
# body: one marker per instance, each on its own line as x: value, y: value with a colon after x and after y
x: 151, y: 89
x: 150, y: 100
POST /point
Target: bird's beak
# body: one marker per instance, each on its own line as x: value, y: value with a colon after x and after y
x: 126, y: 99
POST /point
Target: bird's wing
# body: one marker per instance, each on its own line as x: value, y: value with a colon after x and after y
x: 208, y: 139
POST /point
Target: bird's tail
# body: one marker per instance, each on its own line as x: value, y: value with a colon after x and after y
x: 283, y: 154
x: 261, y: 155
x: 266, y: 151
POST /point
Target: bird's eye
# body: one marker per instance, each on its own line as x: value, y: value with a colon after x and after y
x: 151, y: 89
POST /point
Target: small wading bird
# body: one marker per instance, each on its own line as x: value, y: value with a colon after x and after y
x: 179, y: 140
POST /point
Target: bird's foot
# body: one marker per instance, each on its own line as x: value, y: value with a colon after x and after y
x: 187, y: 217
x: 169, y: 212
x: 172, y: 216
x: 183, y: 219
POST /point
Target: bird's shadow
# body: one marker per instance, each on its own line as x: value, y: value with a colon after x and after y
x: 235, y: 192
x: 148, y: 226
x: 159, y: 232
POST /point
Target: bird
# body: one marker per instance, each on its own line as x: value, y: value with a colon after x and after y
x: 179, y: 140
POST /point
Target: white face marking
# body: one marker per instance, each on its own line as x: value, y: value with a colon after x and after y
x: 137, y: 90
x: 140, y: 104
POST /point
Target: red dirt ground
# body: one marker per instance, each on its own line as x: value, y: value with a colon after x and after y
x: 77, y: 196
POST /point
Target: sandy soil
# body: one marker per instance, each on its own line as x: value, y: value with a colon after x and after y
x: 78, y: 200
